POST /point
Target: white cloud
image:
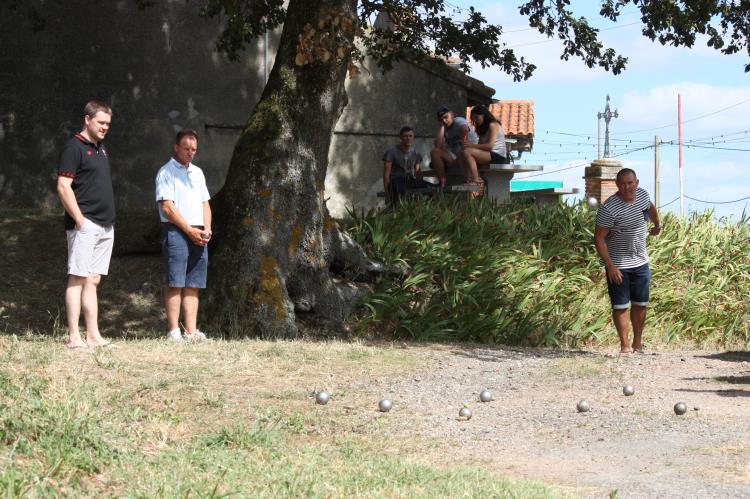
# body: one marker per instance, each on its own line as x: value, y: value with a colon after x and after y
x: 706, y: 109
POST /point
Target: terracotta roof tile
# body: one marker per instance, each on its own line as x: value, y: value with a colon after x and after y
x: 516, y: 116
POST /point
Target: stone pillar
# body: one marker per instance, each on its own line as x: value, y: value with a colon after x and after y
x: 600, y: 178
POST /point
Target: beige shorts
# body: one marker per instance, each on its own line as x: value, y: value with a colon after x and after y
x: 90, y: 249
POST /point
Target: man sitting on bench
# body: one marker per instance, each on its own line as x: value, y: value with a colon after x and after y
x: 454, y: 134
x: 402, y: 167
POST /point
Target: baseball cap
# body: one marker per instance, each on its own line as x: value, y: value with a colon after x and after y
x: 441, y: 111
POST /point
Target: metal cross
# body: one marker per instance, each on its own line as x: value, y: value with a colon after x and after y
x: 607, y: 115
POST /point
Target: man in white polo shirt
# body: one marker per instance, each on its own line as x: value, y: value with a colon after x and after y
x: 185, y: 213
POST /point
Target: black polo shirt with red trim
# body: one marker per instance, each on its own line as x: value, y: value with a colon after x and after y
x: 88, y: 165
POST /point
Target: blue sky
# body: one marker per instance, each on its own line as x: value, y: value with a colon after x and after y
x: 567, y: 95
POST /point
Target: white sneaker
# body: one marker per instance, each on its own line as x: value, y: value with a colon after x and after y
x: 196, y: 336
x: 175, y: 336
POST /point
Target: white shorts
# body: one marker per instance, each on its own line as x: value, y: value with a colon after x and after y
x: 90, y: 249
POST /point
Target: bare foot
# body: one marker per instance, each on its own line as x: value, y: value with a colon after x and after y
x: 77, y: 346
x: 626, y: 351
x: 75, y: 342
x: 95, y: 340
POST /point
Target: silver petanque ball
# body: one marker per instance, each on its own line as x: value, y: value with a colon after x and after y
x: 385, y: 405
x: 465, y: 413
x: 583, y: 406
x: 628, y: 390
x: 592, y: 202
x: 322, y: 398
x: 680, y: 408
x: 485, y: 396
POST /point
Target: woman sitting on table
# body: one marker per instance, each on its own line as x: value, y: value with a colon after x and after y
x: 491, y: 146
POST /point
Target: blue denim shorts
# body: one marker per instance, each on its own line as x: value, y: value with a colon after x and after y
x: 633, y: 288
x: 186, y: 263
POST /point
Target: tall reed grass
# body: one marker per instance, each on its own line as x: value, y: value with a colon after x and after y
x: 528, y: 274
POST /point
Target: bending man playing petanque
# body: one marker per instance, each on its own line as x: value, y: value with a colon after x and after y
x: 620, y: 239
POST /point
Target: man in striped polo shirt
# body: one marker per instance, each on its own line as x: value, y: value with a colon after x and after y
x: 620, y: 239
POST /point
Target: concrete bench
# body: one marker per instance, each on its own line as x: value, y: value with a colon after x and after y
x: 545, y: 196
x: 428, y: 190
x: 497, y: 177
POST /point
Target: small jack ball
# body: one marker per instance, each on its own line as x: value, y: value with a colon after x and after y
x: 680, y: 408
x: 385, y: 405
x: 485, y: 396
x: 592, y: 202
x: 465, y: 412
x: 628, y: 390
x: 583, y: 406
x: 322, y: 398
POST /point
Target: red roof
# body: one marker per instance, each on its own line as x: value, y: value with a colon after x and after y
x: 516, y: 117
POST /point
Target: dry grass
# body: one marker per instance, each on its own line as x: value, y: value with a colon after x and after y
x: 126, y: 421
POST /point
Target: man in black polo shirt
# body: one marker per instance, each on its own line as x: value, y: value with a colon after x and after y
x: 84, y: 184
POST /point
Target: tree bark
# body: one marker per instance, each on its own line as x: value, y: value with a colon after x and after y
x: 275, y: 240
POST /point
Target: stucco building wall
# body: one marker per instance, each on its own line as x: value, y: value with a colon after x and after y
x: 159, y: 71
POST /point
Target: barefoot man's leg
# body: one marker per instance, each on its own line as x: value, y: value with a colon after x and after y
x: 73, y: 293
x: 638, y: 319
x: 620, y: 318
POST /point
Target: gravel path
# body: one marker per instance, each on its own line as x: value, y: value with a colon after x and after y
x: 634, y: 445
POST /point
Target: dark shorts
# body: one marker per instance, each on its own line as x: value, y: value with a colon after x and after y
x: 633, y: 288
x: 400, y: 184
x: 496, y: 158
x: 186, y: 263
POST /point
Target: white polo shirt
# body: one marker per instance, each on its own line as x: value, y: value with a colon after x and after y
x: 186, y: 187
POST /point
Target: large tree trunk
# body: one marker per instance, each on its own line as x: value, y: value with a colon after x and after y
x: 274, y: 237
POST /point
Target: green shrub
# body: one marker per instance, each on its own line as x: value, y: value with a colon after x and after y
x: 527, y: 274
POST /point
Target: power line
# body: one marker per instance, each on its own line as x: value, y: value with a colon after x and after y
x: 686, y: 121
x: 718, y: 202
x: 550, y: 40
x: 667, y: 204
x: 584, y: 163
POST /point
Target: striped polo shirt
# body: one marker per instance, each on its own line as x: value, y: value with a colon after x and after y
x: 626, y: 222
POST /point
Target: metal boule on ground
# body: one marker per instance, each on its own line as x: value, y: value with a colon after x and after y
x: 583, y: 406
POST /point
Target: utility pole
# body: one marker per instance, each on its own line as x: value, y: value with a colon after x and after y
x: 607, y: 115
x: 657, y: 185
x: 679, y: 138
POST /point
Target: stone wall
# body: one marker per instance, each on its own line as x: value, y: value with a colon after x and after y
x: 159, y: 71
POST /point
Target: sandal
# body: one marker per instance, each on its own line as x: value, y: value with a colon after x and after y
x: 480, y: 192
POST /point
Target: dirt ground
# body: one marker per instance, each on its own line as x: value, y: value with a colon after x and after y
x: 624, y: 446
x: 636, y: 446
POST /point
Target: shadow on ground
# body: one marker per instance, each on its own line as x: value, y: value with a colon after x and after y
x: 499, y: 354
x: 733, y: 356
x: 34, y: 250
